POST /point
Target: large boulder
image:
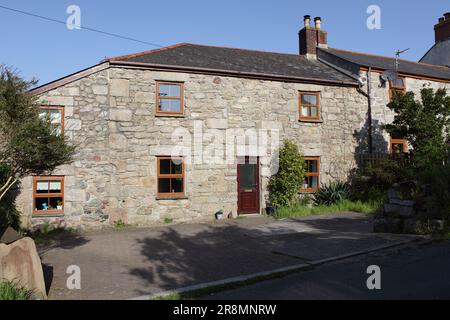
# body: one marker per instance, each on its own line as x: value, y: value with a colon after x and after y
x: 20, y: 262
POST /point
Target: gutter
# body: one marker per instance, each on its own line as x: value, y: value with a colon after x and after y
x: 252, y: 75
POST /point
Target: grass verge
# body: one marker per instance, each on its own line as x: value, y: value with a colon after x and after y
x: 344, y: 205
x: 10, y: 290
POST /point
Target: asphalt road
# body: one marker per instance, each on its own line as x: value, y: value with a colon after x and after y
x: 420, y: 272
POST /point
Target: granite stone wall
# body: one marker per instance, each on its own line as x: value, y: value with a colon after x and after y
x: 111, y: 116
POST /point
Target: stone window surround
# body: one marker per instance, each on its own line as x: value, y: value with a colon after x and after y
x: 314, y: 174
x: 302, y: 118
x: 171, y: 195
x: 48, y: 213
x: 180, y: 98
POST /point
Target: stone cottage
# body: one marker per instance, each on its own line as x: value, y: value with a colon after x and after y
x: 128, y: 114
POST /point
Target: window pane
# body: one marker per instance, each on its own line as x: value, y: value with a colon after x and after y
x: 398, y: 83
x: 313, y: 182
x: 177, y: 167
x: 55, y: 186
x: 54, y: 203
x: 169, y: 90
x: 313, y: 111
x: 170, y: 105
x: 163, y: 185
x: 42, y: 187
x: 164, y: 166
x: 312, y: 165
x: 305, y: 111
x: 55, y: 117
x: 247, y: 176
x: 177, y: 184
x: 309, y: 99
x: 41, y: 204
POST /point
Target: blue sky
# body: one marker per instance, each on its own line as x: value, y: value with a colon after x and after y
x: 47, y: 50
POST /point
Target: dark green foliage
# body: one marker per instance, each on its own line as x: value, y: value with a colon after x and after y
x: 285, y: 184
x: 332, y: 193
x: 433, y: 195
x: 424, y: 124
x: 27, y: 143
x: 9, y: 215
x: 372, y: 183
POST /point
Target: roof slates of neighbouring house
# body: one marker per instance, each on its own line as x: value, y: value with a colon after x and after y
x: 439, y: 54
x: 387, y: 63
x: 239, y: 60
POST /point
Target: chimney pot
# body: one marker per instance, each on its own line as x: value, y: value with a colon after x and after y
x: 317, y: 22
x: 307, y: 21
x: 441, y: 19
x: 447, y: 15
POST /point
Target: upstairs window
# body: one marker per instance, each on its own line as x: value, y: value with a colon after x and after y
x: 55, y: 116
x: 48, y: 195
x: 312, y: 176
x: 396, y: 86
x: 309, y: 105
x: 170, y: 177
x: 169, y: 98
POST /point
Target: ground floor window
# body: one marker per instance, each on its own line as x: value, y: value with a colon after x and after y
x: 170, y: 172
x: 48, y: 195
x: 312, y: 177
x: 397, y: 147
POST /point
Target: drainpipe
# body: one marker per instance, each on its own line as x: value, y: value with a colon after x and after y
x: 368, y: 95
x: 369, y: 108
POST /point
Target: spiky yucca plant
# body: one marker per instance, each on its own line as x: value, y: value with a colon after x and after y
x: 332, y: 193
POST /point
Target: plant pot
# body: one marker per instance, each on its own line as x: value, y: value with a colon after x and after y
x: 271, y: 211
x: 59, y: 207
x: 219, y: 215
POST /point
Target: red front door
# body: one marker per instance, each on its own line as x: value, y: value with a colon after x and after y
x: 248, y: 185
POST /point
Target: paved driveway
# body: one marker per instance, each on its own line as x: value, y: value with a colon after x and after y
x: 134, y: 262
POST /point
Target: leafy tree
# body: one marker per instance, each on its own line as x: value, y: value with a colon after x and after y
x: 286, y: 183
x: 424, y: 124
x: 27, y: 143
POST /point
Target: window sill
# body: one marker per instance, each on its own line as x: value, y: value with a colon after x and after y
x: 311, y: 120
x: 172, y: 198
x: 47, y: 215
x: 168, y: 115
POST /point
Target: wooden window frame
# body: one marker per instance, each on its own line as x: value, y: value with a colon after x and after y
x: 61, y: 109
x: 393, y: 88
x: 312, y: 174
x: 180, y: 98
x: 36, y: 195
x: 169, y: 176
x: 300, y: 105
x: 398, y: 141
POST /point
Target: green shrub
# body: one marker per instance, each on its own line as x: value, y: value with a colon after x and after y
x: 9, y: 215
x: 10, y: 290
x: 285, y: 184
x: 120, y: 224
x: 332, y: 193
x: 373, y: 182
x: 433, y: 196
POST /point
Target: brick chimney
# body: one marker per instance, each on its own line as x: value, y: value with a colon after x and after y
x: 311, y: 37
x: 442, y: 28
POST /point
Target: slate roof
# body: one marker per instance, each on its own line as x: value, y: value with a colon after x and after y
x: 439, y: 54
x: 385, y: 63
x: 238, y: 61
